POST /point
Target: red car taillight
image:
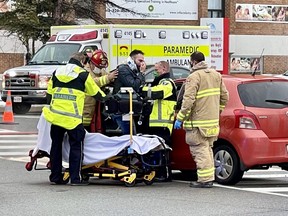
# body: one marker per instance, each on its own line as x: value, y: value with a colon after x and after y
x: 246, y: 120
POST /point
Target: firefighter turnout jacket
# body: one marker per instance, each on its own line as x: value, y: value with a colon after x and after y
x: 90, y: 103
x: 206, y: 88
x: 163, y: 92
x: 68, y: 86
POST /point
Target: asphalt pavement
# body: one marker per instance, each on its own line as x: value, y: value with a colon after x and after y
x: 30, y: 193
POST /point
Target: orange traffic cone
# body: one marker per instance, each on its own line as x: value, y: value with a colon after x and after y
x: 8, y: 116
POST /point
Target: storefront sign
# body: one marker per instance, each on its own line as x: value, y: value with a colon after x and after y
x: 153, y: 9
x: 219, y: 28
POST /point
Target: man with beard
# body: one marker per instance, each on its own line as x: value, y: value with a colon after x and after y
x: 130, y: 74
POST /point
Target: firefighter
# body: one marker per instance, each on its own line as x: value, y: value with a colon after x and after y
x: 163, y: 92
x: 97, y: 61
x: 204, y: 98
x: 66, y: 91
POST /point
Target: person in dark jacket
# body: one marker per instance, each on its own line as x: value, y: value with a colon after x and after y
x: 130, y: 74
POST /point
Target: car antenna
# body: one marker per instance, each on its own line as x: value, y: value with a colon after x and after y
x: 255, y: 69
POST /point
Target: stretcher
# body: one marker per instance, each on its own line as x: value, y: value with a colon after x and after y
x: 128, y: 158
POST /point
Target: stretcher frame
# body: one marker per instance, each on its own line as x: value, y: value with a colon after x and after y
x: 110, y: 168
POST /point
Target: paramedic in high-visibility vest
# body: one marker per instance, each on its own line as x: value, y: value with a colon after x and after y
x: 163, y: 93
x: 204, y: 98
x: 66, y: 90
x: 96, y: 63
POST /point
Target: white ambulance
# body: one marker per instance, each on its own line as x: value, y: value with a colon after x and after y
x: 169, y: 43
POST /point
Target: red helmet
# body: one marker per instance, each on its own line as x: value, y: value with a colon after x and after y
x: 99, y: 59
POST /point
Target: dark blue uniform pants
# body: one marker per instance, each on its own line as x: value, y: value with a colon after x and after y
x: 76, y: 137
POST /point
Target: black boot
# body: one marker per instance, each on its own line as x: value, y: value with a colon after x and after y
x: 201, y: 184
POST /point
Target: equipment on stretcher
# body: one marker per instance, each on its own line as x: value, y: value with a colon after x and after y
x: 128, y: 158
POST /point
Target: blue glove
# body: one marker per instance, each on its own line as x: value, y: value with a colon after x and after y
x: 177, y: 124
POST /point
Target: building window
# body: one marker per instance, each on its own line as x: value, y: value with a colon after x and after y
x: 216, y: 8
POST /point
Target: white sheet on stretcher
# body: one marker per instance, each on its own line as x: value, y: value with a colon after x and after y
x: 97, y: 147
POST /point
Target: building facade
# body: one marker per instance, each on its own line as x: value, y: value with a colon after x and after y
x: 256, y: 32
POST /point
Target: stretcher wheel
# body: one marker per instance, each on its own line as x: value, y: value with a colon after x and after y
x: 148, y: 182
x: 29, y: 166
x: 85, y: 177
x: 132, y: 184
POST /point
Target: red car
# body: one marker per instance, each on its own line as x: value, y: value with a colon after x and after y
x: 254, y: 129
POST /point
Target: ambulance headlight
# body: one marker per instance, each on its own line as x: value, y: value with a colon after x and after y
x: 204, y: 35
x: 186, y: 34
x: 138, y: 34
x: 118, y: 34
x: 162, y: 34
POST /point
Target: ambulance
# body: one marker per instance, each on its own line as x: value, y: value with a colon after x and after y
x: 173, y: 44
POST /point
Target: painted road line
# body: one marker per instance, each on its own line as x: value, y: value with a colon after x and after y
x: 17, y: 141
x: 254, y: 190
x: 19, y: 135
x: 5, y: 154
x: 16, y: 147
x: 266, y: 175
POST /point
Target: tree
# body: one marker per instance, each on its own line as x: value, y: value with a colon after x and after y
x: 30, y: 20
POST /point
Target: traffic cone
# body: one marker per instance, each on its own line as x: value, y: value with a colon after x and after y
x: 8, y: 116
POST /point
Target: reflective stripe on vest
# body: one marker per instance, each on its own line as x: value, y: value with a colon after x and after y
x: 70, y: 97
x: 169, y: 121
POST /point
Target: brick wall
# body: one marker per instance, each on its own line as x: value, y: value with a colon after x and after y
x: 10, y: 60
x: 275, y: 64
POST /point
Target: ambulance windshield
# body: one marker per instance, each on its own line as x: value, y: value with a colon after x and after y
x: 55, y: 53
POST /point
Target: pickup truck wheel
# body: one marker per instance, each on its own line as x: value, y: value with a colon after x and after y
x: 227, y: 165
x: 21, y: 108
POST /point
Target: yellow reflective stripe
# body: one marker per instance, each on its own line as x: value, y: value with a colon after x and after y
x: 180, y: 116
x: 205, y: 172
x: 161, y: 50
x: 206, y: 121
x: 102, y: 81
x: 202, y: 123
x: 208, y: 92
x: 87, y: 121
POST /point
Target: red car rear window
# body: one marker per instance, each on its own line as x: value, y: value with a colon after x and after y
x: 264, y: 94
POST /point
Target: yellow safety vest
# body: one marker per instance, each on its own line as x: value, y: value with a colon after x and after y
x: 67, y: 102
x: 162, y: 114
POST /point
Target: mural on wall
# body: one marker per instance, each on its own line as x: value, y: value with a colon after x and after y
x: 6, y: 5
x: 261, y: 13
x: 245, y: 64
